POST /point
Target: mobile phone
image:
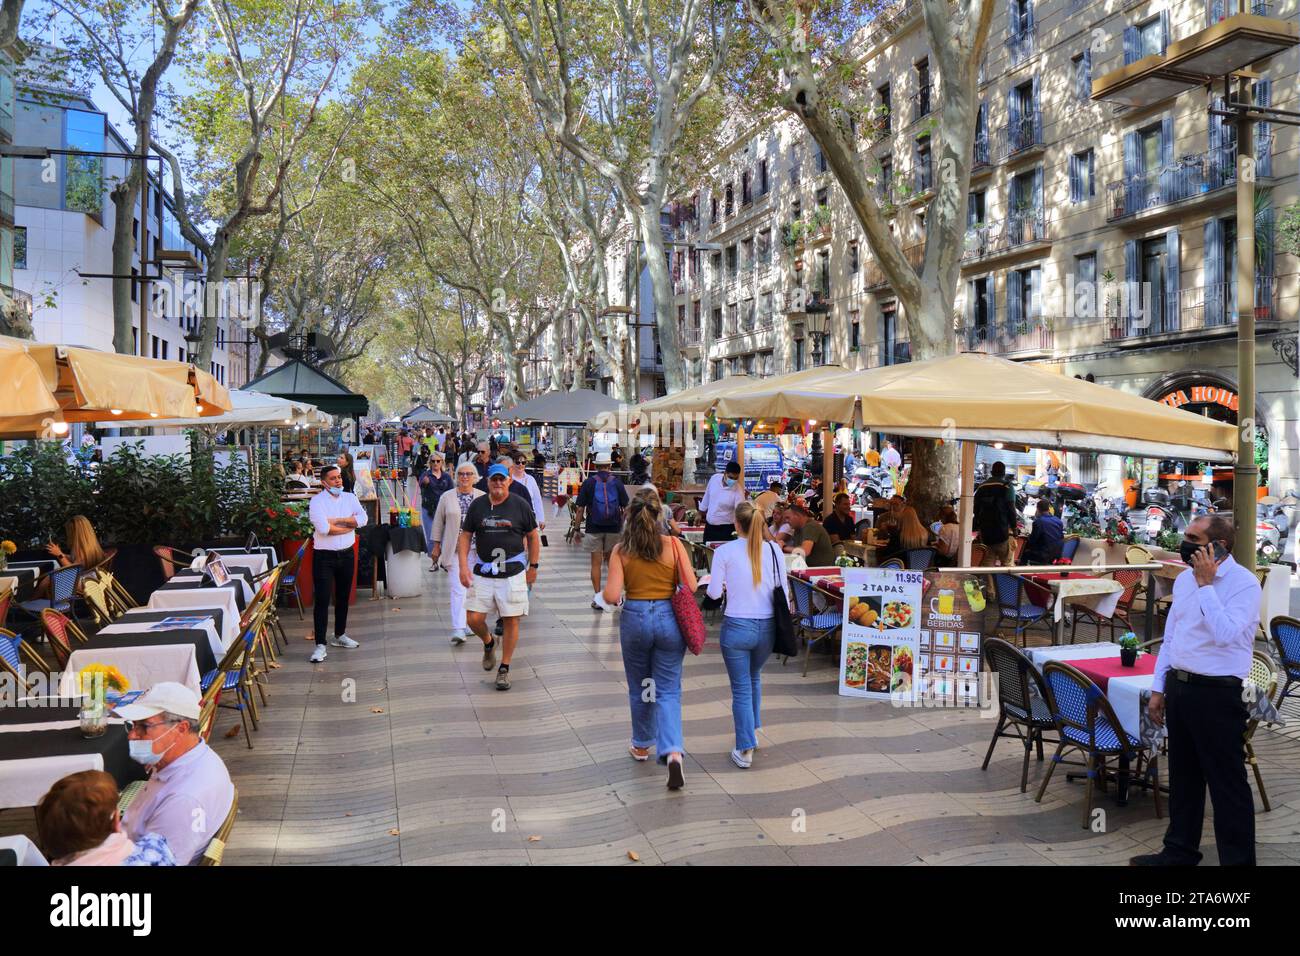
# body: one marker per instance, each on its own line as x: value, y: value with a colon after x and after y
x: 1219, y: 552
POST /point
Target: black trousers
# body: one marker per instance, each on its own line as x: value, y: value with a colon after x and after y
x: 1207, y: 724
x: 719, y: 532
x: 331, y: 571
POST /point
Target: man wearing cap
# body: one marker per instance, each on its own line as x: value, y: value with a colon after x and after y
x: 601, y: 499
x: 335, y: 516
x: 721, y: 495
x: 189, y: 792
x: 504, y: 533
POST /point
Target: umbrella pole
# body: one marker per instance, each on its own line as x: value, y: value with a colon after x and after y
x: 967, y: 500
x: 740, y: 453
x: 828, y: 472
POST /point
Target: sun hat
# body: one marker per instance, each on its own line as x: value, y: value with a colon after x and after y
x: 164, y: 696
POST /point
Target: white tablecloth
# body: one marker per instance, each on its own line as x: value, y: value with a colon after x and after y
x: 28, y: 855
x: 41, y: 565
x: 403, y: 573
x: 223, y: 598
x: 1124, y: 694
x: 206, y: 625
x: 197, y: 580
x: 1097, y: 594
x: 7, y: 584
x: 24, y: 782
x: 1071, y: 652
x: 142, y: 666
x: 254, y: 562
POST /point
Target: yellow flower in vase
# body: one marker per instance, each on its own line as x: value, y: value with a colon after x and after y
x: 94, y: 679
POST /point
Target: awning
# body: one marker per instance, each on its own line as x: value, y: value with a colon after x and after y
x: 300, y: 382
x: 561, y: 407
x: 690, y: 401
x: 800, y: 395
x: 247, y: 409
x: 46, y: 386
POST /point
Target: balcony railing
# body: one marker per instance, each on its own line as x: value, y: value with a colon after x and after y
x: 921, y: 100
x: 1021, y: 227
x: 873, y: 277
x: 980, y: 152
x: 879, y: 354
x: 923, y: 177
x: 879, y: 126
x: 1192, y: 175
x: 1216, y: 10
x: 1020, y: 46
x: 1027, y: 336
x: 1024, y: 134
x: 1200, y: 309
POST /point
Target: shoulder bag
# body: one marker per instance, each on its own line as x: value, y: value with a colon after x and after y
x: 784, y: 642
x: 689, y: 619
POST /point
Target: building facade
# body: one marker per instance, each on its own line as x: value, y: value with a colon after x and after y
x: 63, y: 239
x: 1072, y: 204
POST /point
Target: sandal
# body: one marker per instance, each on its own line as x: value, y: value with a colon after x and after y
x: 639, y: 754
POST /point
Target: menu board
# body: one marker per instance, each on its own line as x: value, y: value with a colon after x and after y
x: 948, y: 654
x: 882, y: 613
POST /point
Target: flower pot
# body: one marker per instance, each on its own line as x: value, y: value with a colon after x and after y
x: 1128, y: 656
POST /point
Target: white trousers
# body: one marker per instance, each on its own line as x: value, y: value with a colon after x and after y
x: 458, y: 593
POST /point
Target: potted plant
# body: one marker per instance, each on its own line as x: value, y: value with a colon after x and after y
x: 1128, y: 650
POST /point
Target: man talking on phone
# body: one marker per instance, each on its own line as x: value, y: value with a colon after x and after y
x: 1197, y: 694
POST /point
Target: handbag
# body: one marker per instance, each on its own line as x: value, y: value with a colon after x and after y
x: 689, y: 619
x: 784, y: 641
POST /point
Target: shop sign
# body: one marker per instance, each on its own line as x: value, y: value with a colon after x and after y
x: 1201, y: 395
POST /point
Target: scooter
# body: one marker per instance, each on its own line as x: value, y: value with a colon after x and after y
x: 1166, y: 512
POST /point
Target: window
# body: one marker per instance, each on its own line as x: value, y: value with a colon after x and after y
x: 819, y: 158
x: 1083, y: 76
x: 975, y: 206
x: 1151, y: 38
x: 83, y: 183
x: 923, y: 179
x: 798, y: 354
x: 885, y: 182
x: 922, y: 107
x: 747, y: 254
x: 762, y: 177
x: 717, y: 322
x: 795, y: 172
x: 733, y: 319
x: 854, y: 262
x: 855, y: 330
x: 20, y: 247
x: 135, y: 341
x: 716, y: 262
x: 764, y: 248
x: 713, y: 209
x: 748, y: 315
x: 746, y: 193
x: 695, y: 315
x: 823, y: 197
x: 765, y: 310
x: 731, y: 264
x: 884, y: 110
x: 749, y: 364
x: 717, y: 369
x: 1087, y: 297
x: 765, y: 363
x: 165, y: 347
x: 135, y: 286
x: 1082, y: 186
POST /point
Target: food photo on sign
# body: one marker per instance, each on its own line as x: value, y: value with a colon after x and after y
x: 881, y: 633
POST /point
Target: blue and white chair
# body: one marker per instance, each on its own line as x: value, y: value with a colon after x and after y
x: 813, y: 624
x: 1285, y: 632
x: 920, y: 559
x: 233, y: 674
x: 1087, y: 723
x: 63, y: 592
x: 1023, y: 712
x: 1014, y: 606
x: 11, y: 659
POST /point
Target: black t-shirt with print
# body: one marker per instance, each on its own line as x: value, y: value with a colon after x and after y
x: 499, y: 531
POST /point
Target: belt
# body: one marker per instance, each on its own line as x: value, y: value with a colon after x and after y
x: 1187, y: 677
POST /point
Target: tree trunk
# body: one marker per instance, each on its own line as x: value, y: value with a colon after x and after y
x: 212, y: 301
x: 125, y: 196
x: 662, y: 284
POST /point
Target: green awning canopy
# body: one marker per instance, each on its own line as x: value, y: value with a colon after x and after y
x: 298, y: 381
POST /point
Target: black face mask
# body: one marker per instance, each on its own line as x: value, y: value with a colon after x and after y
x: 1186, y: 550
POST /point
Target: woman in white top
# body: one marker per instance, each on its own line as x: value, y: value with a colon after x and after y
x: 750, y: 569
x: 721, y: 496
x: 446, y: 535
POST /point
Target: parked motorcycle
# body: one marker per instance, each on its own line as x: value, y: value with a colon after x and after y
x: 1166, y: 511
x: 1273, y: 520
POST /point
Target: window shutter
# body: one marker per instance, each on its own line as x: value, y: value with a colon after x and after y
x: 1037, y: 117
x: 1076, y: 187
x: 1092, y: 174
x: 1132, y: 281
x: 1012, y: 20
x: 1087, y: 73
x: 1131, y: 45
x: 1014, y: 283
x: 1264, y: 242
x: 992, y: 286
x: 1214, y: 297
x: 1164, y: 30
x: 1013, y: 112
x: 1132, y: 154
x: 1263, y: 148
x: 1029, y: 14
x: 1173, y: 265
x: 1168, y: 175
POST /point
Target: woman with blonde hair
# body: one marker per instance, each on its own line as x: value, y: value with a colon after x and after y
x: 83, y: 544
x: 749, y: 570
x: 647, y: 564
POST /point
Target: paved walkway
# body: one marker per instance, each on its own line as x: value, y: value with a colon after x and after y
x: 427, y: 763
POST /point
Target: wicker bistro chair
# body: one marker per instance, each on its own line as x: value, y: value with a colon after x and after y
x: 1022, y: 713
x: 290, y: 577
x: 94, y: 593
x: 63, y: 592
x: 1130, y: 581
x: 896, y: 564
x: 1087, y: 723
x: 5, y: 600
x: 61, y: 632
x: 1070, y: 547
x: 11, y: 663
x: 1263, y: 677
x: 1014, y: 607
x: 169, y: 559
x: 232, y: 674
x: 814, y: 625
x: 118, y: 597
x: 216, y: 848
x: 920, y: 559
x: 1286, y: 638
x: 275, y: 574
x: 978, y: 555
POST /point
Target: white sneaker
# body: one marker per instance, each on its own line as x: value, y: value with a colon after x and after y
x: 742, y: 759
x: 318, y: 655
x: 459, y: 635
x: 343, y: 641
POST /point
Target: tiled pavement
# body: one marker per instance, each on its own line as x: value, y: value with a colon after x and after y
x: 426, y: 762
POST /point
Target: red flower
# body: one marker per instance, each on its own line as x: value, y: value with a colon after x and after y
x: 270, y: 512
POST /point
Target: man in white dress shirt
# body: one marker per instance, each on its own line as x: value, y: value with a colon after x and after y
x: 1197, y: 691
x: 724, y: 491
x: 335, y: 516
x: 189, y: 792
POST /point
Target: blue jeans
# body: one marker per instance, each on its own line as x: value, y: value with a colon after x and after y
x: 653, y: 649
x: 746, y: 645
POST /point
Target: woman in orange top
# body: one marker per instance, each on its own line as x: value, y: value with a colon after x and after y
x: 646, y: 563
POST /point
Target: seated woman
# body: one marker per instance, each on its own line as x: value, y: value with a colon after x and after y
x: 910, y: 534
x: 948, y: 540
x: 296, y: 479
x: 79, y: 825
x: 83, y: 550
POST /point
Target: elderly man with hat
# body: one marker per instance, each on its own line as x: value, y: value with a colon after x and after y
x: 189, y: 792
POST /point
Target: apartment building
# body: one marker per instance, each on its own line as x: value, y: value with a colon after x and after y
x: 1071, y: 204
x: 63, y: 238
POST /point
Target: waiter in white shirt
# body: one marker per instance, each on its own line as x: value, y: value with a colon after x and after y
x: 1197, y: 692
x: 723, y: 492
x: 335, y: 516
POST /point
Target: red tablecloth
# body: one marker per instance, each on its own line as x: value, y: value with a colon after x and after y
x: 830, y: 578
x: 1042, y: 595
x: 1101, y: 669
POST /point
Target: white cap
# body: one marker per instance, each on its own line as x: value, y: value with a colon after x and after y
x: 603, y: 458
x: 164, y: 696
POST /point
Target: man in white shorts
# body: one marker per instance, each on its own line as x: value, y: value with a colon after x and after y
x: 504, y: 533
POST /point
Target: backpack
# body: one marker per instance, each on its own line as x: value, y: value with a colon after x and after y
x: 989, y: 515
x: 605, y: 509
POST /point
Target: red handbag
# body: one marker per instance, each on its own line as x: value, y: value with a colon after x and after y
x: 689, y: 619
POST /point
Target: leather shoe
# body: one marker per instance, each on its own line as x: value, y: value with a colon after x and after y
x: 1163, y: 858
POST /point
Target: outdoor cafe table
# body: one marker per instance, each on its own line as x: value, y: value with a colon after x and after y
x: 236, y: 587
x: 255, y: 563
x: 22, y: 580
x: 240, y: 578
x: 145, y: 658
x: 264, y: 549
x: 187, y: 600
x: 40, y: 745
x: 41, y: 565
x: 216, y: 622
x: 1100, y: 594
x: 206, y: 623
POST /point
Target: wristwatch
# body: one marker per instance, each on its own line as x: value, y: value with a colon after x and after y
x: 534, y: 566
